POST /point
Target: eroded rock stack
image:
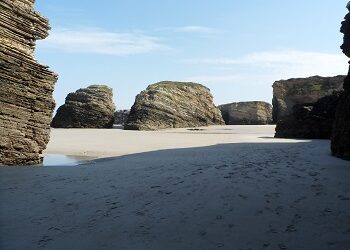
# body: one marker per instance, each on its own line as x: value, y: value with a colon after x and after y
x: 173, y: 105
x: 341, y: 131
x: 247, y: 113
x: 90, y: 107
x: 26, y: 102
x: 310, y: 120
x: 120, y: 116
x: 287, y: 93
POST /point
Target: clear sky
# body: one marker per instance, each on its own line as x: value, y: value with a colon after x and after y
x: 237, y: 48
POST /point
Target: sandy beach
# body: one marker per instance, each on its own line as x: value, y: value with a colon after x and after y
x: 99, y: 143
x: 223, y: 187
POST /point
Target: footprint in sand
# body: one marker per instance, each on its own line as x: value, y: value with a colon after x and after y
x: 343, y: 198
x: 291, y: 229
x: 279, y: 210
x: 44, y: 240
x: 267, y: 244
x: 282, y: 246
x: 202, y: 233
x: 242, y: 196
x: 313, y: 174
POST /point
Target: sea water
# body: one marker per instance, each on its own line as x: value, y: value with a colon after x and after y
x: 64, y: 160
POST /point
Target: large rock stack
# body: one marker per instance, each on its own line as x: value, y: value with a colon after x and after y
x: 341, y: 130
x: 247, y: 113
x: 90, y: 107
x: 287, y: 93
x: 173, y: 105
x: 310, y: 120
x: 26, y: 87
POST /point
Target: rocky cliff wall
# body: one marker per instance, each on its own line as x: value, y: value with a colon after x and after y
x: 26, y: 102
x: 247, y: 113
x: 287, y: 93
x: 310, y: 120
x: 341, y: 130
x: 173, y: 105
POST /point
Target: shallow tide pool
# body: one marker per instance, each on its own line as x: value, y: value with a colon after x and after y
x: 64, y: 160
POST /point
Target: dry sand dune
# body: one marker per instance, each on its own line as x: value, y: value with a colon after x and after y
x: 222, y: 188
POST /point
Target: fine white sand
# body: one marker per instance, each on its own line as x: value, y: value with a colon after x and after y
x: 116, y: 142
x: 229, y: 187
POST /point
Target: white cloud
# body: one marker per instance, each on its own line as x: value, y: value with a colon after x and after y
x: 90, y: 41
x: 195, y: 29
x: 273, y: 65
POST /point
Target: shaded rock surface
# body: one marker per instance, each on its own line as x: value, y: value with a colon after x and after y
x: 310, y: 121
x: 90, y: 107
x: 287, y: 93
x: 173, y: 105
x: 26, y: 102
x: 120, y: 116
x: 340, y: 144
x: 247, y: 113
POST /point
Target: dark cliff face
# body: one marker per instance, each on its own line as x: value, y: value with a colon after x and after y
x: 90, y: 107
x: 340, y: 145
x: 247, y: 113
x: 173, y: 105
x: 287, y: 93
x: 121, y: 116
x: 310, y: 121
x: 26, y: 102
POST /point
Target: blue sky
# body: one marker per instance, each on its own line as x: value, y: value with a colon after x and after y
x: 237, y: 48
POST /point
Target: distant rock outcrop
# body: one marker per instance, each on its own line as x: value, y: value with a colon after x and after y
x: 247, y: 113
x: 90, y: 107
x: 310, y: 121
x: 173, y: 105
x: 341, y: 131
x: 120, y: 116
x: 26, y: 102
x: 287, y: 93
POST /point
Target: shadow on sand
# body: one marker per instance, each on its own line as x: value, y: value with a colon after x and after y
x: 226, y: 196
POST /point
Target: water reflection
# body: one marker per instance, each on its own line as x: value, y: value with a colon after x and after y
x: 64, y: 160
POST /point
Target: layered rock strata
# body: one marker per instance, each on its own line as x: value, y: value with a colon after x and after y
x: 90, y: 107
x: 121, y: 116
x: 310, y: 121
x: 246, y: 113
x: 340, y: 144
x: 287, y: 93
x: 26, y: 102
x: 173, y: 105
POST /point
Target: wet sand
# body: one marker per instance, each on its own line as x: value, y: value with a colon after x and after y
x: 222, y: 188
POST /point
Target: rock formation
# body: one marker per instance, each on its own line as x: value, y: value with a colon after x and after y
x: 173, y: 105
x: 246, y: 113
x: 341, y: 131
x: 287, y: 93
x: 90, y: 107
x: 120, y: 116
x: 26, y: 102
x: 310, y: 121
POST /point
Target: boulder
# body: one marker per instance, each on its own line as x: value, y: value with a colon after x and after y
x: 310, y: 120
x: 287, y: 93
x: 120, y: 116
x: 90, y: 107
x: 247, y: 113
x: 26, y: 87
x: 340, y: 144
x: 173, y: 105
